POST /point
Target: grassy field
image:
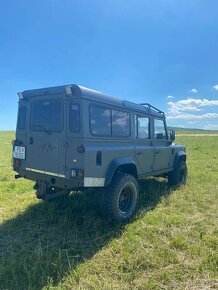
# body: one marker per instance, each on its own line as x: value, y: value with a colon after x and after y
x: 172, y: 242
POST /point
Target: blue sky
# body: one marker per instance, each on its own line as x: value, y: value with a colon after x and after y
x: 162, y: 52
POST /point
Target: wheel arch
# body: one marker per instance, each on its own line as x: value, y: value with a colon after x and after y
x: 124, y: 164
x: 180, y: 156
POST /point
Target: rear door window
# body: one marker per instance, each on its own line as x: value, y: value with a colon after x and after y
x: 143, y: 131
x: 74, y: 117
x: 22, y: 118
x: 47, y: 115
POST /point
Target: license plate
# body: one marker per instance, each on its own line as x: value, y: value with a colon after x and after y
x: 19, y: 152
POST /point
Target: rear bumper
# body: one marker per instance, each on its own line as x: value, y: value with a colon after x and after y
x: 52, y: 179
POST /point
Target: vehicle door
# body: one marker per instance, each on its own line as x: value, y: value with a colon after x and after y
x: 144, y: 148
x: 74, y: 158
x: 161, y: 145
x: 46, y: 137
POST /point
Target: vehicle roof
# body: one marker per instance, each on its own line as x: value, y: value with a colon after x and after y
x: 82, y: 92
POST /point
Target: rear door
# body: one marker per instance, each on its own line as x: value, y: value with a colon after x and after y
x: 144, y: 148
x: 46, y: 137
x: 74, y: 159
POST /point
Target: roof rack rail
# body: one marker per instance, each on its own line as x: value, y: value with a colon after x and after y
x: 151, y: 107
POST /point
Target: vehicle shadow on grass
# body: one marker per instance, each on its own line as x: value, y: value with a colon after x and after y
x: 45, y: 242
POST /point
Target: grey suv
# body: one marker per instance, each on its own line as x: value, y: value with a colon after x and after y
x: 71, y: 138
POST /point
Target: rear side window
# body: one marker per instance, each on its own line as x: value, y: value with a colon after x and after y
x: 22, y: 118
x: 100, y: 121
x: 74, y: 117
x: 159, y: 129
x: 120, y: 124
x: 47, y: 115
x: 143, y: 131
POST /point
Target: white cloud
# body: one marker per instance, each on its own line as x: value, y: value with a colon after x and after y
x: 215, y: 87
x: 194, y: 91
x: 186, y: 110
x: 169, y: 97
x: 192, y: 122
x: 209, y: 126
x: 193, y: 117
x: 189, y: 104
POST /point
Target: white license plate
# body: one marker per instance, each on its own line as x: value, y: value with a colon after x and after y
x: 19, y: 152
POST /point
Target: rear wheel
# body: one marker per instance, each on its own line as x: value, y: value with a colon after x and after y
x: 179, y: 175
x: 120, y: 197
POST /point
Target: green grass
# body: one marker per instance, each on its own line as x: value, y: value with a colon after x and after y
x: 172, y: 242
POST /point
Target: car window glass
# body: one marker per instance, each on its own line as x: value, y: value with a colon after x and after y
x: 100, y: 121
x: 160, y: 131
x: 120, y: 123
x: 143, y: 128
x: 74, y: 117
x: 47, y: 115
x: 22, y: 118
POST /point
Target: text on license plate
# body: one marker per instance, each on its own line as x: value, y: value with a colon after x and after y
x: 19, y: 152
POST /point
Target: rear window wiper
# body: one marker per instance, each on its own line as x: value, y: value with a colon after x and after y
x: 42, y: 127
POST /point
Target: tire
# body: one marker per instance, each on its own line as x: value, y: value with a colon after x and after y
x: 179, y: 175
x: 119, y: 199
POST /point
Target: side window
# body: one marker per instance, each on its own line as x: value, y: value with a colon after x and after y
x: 100, y: 121
x: 159, y: 129
x: 74, y: 117
x: 143, y: 128
x: 22, y: 118
x: 120, y: 124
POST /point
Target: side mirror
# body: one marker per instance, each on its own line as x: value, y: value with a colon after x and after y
x: 172, y: 135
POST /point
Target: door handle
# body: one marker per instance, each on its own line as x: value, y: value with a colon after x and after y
x: 157, y: 152
x: 31, y: 140
x: 139, y: 154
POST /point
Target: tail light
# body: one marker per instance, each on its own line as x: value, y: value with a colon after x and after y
x: 77, y: 173
x: 16, y: 162
x: 81, y: 149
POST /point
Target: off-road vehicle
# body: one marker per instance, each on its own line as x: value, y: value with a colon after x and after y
x: 70, y: 138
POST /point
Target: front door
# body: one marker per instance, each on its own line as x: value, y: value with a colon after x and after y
x: 161, y: 146
x: 46, y: 137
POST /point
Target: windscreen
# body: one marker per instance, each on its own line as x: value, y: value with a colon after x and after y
x: 47, y: 116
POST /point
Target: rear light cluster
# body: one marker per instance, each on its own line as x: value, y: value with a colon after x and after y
x: 15, y: 162
x: 81, y: 149
x: 16, y: 142
x: 77, y: 173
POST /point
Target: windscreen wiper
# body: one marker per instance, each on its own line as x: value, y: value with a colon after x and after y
x: 43, y: 128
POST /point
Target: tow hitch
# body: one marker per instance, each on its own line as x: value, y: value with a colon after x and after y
x: 44, y: 192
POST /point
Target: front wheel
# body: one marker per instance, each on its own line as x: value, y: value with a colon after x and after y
x: 179, y: 175
x: 120, y: 198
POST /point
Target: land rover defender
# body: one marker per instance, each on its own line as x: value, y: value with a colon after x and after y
x: 70, y: 138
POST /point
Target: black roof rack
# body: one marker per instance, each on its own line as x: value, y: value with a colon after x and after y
x: 135, y: 106
x: 149, y: 107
